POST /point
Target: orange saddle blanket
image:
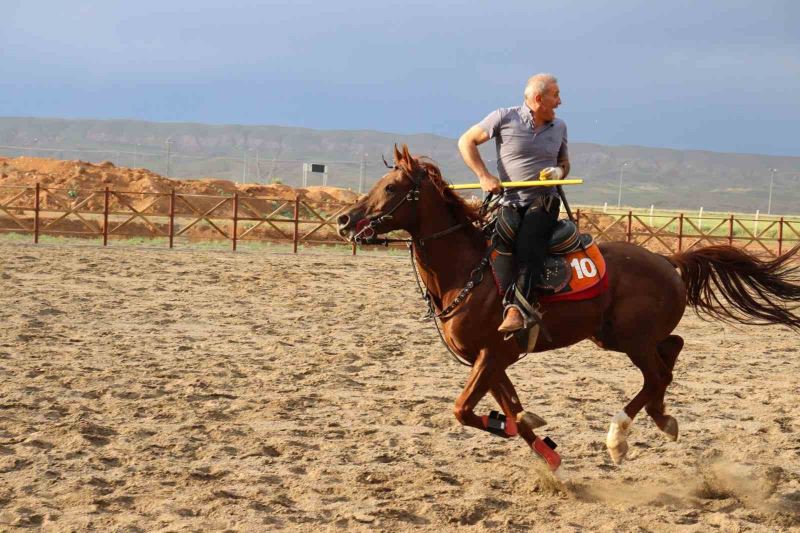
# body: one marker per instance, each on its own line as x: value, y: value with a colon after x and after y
x: 589, y: 277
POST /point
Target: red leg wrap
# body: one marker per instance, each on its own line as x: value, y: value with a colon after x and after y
x: 547, y: 453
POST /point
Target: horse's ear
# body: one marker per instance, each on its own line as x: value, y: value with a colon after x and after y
x: 397, y: 156
x: 412, y: 163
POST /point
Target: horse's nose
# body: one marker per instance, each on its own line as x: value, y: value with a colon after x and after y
x: 343, y: 221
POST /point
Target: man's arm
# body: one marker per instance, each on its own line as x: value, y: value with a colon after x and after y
x: 468, y: 146
x: 563, y: 156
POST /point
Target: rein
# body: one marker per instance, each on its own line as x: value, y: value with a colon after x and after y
x: 475, y: 277
x: 366, y: 235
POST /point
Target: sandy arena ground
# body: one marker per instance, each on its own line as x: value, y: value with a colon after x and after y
x: 157, y: 390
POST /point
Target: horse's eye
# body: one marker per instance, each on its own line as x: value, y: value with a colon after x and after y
x: 390, y: 189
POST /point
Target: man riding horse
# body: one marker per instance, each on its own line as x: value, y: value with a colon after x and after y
x: 531, y: 142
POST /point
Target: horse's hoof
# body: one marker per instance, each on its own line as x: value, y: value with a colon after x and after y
x: 671, y: 428
x: 530, y: 420
x: 618, y: 452
x: 617, y: 438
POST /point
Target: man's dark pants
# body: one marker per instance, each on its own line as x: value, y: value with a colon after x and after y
x: 538, y: 220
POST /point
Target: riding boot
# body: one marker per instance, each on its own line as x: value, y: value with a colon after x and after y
x: 513, y: 319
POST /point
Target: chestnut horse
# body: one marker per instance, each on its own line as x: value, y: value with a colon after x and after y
x: 646, y: 298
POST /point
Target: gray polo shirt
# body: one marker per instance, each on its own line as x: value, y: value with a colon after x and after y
x: 523, y: 150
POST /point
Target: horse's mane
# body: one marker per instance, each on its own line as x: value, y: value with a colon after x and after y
x: 412, y: 165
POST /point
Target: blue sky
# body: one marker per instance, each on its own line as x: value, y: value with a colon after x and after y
x: 714, y: 75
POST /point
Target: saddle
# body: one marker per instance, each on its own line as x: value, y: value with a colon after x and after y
x: 573, y: 265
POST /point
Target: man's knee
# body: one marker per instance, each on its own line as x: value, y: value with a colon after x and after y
x: 507, y: 228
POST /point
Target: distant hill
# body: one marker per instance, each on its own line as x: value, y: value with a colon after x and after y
x: 667, y: 178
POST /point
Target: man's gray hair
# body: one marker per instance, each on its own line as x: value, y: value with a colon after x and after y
x: 537, y: 84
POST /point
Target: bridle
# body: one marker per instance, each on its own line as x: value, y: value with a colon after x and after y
x: 366, y: 234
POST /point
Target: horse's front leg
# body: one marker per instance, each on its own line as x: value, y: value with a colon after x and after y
x: 484, y: 374
x: 505, y: 394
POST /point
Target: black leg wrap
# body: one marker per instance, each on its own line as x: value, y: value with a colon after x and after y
x: 496, y: 424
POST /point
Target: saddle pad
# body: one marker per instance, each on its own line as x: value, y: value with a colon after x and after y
x: 588, y: 276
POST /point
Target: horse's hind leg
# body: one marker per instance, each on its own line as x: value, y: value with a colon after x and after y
x: 655, y: 374
x: 668, y: 350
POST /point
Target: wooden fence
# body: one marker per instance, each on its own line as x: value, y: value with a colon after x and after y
x: 676, y: 232
x: 108, y: 214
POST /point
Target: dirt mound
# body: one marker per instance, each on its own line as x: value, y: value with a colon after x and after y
x: 330, y: 195
x: 77, y: 188
x: 80, y: 178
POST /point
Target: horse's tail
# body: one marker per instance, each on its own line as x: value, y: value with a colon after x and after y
x: 752, y: 291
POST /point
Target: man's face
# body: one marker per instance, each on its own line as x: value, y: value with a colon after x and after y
x: 545, y: 104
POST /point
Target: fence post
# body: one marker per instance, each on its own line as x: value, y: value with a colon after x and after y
x: 780, y: 237
x: 296, y: 222
x: 171, y: 217
x: 730, y: 231
x: 630, y: 225
x: 36, y: 216
x: 680, y: 233
x: 578, y: 218
x: 235, y: 217
x: 106, y: 196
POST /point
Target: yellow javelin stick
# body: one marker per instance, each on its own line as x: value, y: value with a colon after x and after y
x: 552, y: 183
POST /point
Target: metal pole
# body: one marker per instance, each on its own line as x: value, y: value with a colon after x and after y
x: 700, y: 220
x: 362, y: 174
x: 619, y: 196
x: 755, y: 224
x: 780, y: 236
x: 680, y: 233
x: 244, y: 166
x: 169, y: 154
x: 771, y: 182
